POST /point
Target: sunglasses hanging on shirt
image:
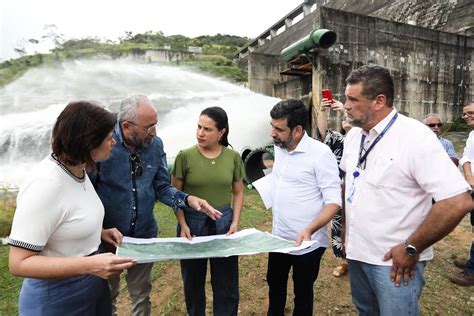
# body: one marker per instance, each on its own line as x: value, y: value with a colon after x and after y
x: 136, y: 165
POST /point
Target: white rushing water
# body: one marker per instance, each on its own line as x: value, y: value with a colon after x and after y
x: 30, y: 105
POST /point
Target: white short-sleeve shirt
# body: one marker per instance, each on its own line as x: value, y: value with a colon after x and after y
x: 56, y: 215
x: 393, y: 195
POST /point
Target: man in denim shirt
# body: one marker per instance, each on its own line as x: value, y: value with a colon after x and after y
x: 130, y: 182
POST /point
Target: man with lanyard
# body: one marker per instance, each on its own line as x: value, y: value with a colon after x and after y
x: 390, y: 221
x: 130, y: 182
x: 434, y: 123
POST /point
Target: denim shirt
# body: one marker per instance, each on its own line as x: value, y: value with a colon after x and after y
x: 129, y: 200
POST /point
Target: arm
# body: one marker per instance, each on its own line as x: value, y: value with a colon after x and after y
x: 185, y: 231
x: 27, y: 263
x: 322, y: 120
x: 466, y: 161
x: 466, y: 168
x: 452, y: 152
x: 440, y: 221
x: 327, y: 175
x: 343, y: 216
x: 237, y: 203
x: 323, y: 218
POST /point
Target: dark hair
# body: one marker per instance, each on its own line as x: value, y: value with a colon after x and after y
x: 219, y: 116
x: 293, y: 110
x: 375, y: 80
x: 81, y: 127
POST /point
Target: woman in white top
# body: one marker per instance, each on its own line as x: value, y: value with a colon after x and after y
x: 57, y: 227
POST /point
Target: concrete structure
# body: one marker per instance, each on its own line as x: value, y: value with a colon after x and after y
x: 163, y: 55
x: 432, y: 68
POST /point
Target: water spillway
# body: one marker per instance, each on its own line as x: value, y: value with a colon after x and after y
x: 30, y: 105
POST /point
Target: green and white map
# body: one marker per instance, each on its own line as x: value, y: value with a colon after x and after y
x: 245, y: 242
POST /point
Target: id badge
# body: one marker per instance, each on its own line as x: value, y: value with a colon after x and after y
x: 355, y: 176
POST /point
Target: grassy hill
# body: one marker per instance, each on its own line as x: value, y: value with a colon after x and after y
x: 216, y: 57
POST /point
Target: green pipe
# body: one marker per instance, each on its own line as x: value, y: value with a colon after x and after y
x: 321, y: 38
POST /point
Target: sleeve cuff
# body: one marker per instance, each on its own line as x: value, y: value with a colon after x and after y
x: 180, y: 200
x: 463, y: 160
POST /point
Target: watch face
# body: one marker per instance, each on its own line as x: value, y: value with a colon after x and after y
x: 411, y: 250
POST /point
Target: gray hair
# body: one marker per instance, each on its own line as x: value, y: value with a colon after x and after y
x: 425, y: 118
x: 129, y: 106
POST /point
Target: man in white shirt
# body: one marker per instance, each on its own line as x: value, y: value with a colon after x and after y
x: 389, y: 185
x: 466, y: 276
x: 306, y: 194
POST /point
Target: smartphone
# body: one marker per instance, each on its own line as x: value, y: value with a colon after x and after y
x: 327, y: 94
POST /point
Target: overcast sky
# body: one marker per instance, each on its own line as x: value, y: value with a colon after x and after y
x: 21, y: 20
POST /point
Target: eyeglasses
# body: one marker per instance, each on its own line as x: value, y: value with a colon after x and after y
x: 468, y: 113
x: 147, y: 130
x: 434, y: 124
x: 136, y: 165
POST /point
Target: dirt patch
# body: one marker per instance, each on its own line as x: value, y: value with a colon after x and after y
x: 332, y: 295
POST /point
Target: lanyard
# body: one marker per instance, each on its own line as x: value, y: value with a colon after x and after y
x: 362, y: 158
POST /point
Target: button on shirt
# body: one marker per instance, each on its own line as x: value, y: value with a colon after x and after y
x: 392, y: 196
x: 468, y: 155
x: 305, y: 180
x: 129, y: 200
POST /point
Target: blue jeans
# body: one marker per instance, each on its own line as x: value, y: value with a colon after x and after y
x: 83, y: 295
x: 373, y: 293
x: 224, y: 271
x: 305, y: 273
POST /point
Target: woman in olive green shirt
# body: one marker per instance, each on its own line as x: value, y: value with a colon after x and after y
x: 214, y: 172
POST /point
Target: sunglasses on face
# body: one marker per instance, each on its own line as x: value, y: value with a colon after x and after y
x: 136, y: 165
x: 435, y: 124
x: 468, y: 113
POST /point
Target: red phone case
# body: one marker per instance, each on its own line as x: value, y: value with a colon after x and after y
x: 327, y: 94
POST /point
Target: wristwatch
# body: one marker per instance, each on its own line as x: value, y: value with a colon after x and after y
x: 410, y: 249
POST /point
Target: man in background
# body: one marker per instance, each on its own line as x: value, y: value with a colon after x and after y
x: 434, y: 123
x: 466, y: 276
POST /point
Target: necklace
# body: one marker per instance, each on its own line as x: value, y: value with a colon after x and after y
x: 81, y: 180
x: 211, y: 155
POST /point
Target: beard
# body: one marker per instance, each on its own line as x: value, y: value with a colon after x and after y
x: 283, y: 144
x: 139, y: 142
x: 361, y: 121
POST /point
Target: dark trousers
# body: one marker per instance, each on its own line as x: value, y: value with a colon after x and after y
x: 470, y: 262
x: 224, y: 271
x: 305, y: 273
x: 224, y: 281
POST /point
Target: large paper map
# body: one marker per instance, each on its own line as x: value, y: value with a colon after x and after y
x: 246, y: 242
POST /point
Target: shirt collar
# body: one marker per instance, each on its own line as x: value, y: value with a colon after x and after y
x: 119, y: 136
x: 303, y: 144
x: 118, y: 133
x: 383, y: 123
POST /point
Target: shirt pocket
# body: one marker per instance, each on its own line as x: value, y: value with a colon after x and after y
x: 382, y: 171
